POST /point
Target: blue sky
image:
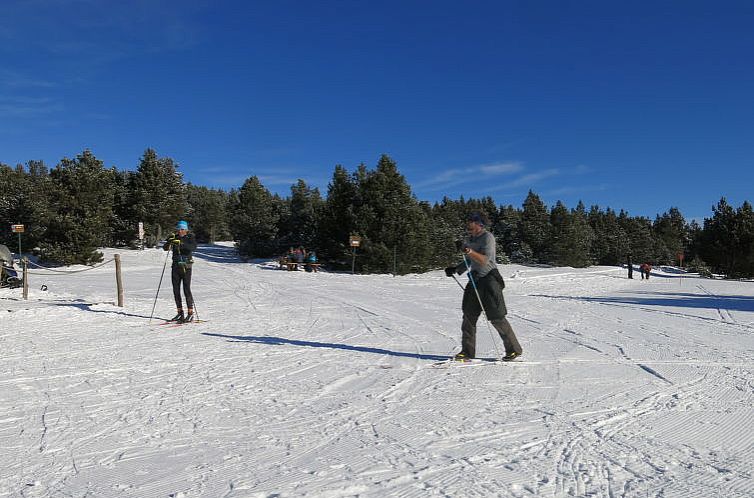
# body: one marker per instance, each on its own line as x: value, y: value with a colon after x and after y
x: 640, y: 105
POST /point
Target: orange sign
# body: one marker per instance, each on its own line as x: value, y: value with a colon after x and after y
x: 17, y: 228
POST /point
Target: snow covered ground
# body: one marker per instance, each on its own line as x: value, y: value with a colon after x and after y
x: 325, y: 385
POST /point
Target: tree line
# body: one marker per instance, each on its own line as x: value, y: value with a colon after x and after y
x: 80, y: 205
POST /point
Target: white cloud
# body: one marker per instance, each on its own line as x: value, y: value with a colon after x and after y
x: 501, y: 168
x: 532, y: 178
x: 501, y: 177
x: 574, y: 190
x: 28, y: 106
x: 277, y: 180
x: 484, y: 172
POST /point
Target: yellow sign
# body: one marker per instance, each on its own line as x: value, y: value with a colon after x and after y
x: 355, y: 240
x: 17, y: 228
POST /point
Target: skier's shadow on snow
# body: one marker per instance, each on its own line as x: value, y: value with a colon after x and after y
x: 280, y: 341
x: 88, y: 307
x: 670, y: 299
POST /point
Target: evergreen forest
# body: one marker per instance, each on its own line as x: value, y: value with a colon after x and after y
x: 80, y: 205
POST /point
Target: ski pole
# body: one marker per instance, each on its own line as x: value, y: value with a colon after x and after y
x: 158, y: 287
x: 458, y: 282
x: 476, y: 291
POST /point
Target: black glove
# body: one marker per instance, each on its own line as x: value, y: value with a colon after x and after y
x: 450, y: 270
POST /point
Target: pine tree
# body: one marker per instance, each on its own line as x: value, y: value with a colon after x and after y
x: 719, y: 238
x: 208, y: 213
x: 14, y: 185
x: 22, y: 201
x: 123, y: 227
x: 80, y: 195
x: 35, y: 202
x: 254, y: 220
x: 744, y: 241
x: 571, y: 236
x: 695, y: 242
x: 535, y: 228
x: 642, y: 245
x: 671, y: 230
x: 726, y: 243
x: 159, y: 194
x: 506, y: 231
x: 394, y: 225
x: 305, y: 207
x: 610, y: 245
x: 447, y: 226
x: 338, y: 218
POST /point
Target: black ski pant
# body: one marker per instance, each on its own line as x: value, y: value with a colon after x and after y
x: 182, y: 274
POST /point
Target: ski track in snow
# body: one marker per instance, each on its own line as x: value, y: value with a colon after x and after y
x: 323, y: 385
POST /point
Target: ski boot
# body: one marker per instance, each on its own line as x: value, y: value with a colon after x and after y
x: 511, y: 356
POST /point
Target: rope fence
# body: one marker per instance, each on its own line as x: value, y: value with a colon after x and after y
x: 51, y: 271
x: 54, y: 271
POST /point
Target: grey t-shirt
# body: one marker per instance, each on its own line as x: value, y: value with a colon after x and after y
x: 484, y: 244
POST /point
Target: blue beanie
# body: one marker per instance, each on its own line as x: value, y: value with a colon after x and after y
x: 182, y: 225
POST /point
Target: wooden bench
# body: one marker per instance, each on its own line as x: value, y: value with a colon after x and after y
x: 293, y: 265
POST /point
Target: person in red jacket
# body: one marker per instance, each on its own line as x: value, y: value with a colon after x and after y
x: 645, y: 269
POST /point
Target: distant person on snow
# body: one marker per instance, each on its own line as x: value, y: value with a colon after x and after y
x: 182, y: 244
x: 311, y: 260
x: 290, y: 257
x: 479, y: 253
x: 645, y: 269
x: 630, y: 267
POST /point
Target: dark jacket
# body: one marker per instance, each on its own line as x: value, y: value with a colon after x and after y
x: 182, y: 252
x: 490, y: 288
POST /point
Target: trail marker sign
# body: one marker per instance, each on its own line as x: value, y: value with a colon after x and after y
x: 19, y: 229
x: 354, y: 241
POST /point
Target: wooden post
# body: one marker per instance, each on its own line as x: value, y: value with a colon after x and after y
x: 119, y: 280
x: 26, y: 278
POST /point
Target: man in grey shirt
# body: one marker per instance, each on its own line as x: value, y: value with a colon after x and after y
x: 479, y: 254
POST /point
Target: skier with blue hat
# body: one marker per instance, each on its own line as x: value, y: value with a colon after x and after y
x: 182, y: 244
